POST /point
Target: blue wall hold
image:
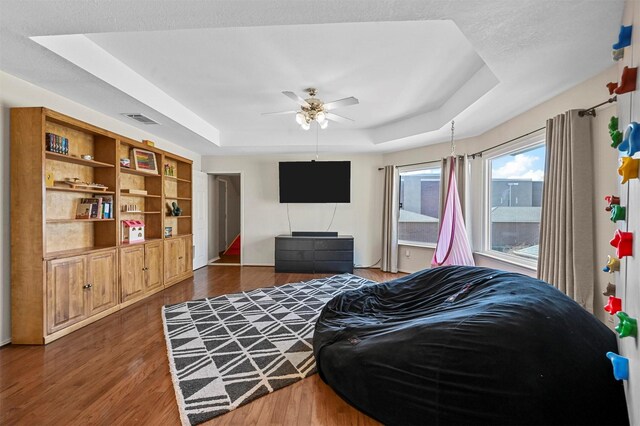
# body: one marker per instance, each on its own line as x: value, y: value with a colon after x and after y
x: 624, y: 38
x: 620, y: 366
x: 631, y: 141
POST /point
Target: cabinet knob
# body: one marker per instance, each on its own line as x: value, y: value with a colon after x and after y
x: 87, y: 286
x: 180, y: 257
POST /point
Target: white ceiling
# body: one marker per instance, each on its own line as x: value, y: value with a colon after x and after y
x: 206, y: 71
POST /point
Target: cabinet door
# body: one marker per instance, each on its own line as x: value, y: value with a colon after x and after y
x: 171, y: 254
x: 101, y: 275
x: 153, y: 265
x: 65, y: 292
x: 132, y: 272
x: 185, y: 261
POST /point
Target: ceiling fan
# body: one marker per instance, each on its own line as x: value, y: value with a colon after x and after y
x: 313, y: 109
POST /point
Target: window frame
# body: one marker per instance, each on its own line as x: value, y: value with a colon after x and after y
x: 530, y: 142
x: 430, y: 165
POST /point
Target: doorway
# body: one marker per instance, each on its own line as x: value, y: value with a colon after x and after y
x: 225, y: 242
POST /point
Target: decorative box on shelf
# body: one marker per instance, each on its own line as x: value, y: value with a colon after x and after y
x: 132, y: 231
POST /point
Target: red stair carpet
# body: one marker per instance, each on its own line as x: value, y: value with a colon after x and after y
x: 234, y: 247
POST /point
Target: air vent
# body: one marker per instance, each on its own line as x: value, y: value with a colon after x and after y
x: 140, y: 118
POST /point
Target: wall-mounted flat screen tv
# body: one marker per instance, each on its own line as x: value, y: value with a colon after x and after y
x: 315, y: 182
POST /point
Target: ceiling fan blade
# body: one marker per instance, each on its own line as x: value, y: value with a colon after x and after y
x: 338, y: 118
x: 297, y: 99
x: 341, y: 103
x: 279, y: 113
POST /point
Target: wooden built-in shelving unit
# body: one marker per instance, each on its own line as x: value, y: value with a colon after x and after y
x: 55, y: 256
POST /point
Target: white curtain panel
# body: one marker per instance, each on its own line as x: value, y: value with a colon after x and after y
x: 566, y: 253
x: 389, y: 262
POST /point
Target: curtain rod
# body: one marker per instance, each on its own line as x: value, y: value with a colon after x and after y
x: 587, y: 111
x: 591, y: 111
x: 413, y: 164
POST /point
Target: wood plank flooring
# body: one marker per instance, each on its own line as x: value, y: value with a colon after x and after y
x: 115, y: 371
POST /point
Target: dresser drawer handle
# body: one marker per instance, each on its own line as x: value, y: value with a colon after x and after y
x: 87, y: 286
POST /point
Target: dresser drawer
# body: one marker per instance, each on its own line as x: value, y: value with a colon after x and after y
x: 297, y: 255
x: 293, y: 244
x: 293, y: 266
x: 333, y: 244
x: 332, y: 266
x: 344, y: 255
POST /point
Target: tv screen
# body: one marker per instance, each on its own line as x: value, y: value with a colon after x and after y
x: 315, y: 182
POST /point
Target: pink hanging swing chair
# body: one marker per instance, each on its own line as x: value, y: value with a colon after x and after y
x: 453, y: 246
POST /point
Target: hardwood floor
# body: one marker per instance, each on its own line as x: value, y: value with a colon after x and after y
x: 115, y: 371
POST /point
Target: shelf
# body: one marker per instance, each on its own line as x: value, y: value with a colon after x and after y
x: 178, y: 198
x: 128, y: 194
x: 138, y: 172
x: 141, y: 212
x: 149, y: 240
x: 74, y: 252
x: 176, y: 236
x: 81, y: 191
x: 177, y: 178
x: 77, y: 220
x: 75, y: 160
x: 177, y: 217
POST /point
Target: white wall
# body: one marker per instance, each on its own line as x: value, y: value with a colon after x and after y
x: 18, y: 93
x: 265, y: 217
x: 584, y: 95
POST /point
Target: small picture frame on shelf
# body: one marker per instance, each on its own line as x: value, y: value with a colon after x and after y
x: 144, y: 161
x: 168, y: 231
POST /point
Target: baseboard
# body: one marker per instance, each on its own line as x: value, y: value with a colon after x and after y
x: 259, y: 264
x: 5, y: 342
x: 214, y: 259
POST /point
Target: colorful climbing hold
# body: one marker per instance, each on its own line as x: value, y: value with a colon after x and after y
x: 627, y: 80
x: 612, y: 86
x: 628, y: 168
x: 631, y: 141
x: 617, y: 54
x: 620, y: 366
x: 623, y: 242
x: 616, y: 135
x: 610, y: 291
x: 627, y: 326
x: 618, y: 213
x: 614, y: 305
x: 611, y: 200
x: 613, y: 264
x: 624, y: 37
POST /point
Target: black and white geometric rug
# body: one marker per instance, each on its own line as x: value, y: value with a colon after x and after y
x: 229, y: 350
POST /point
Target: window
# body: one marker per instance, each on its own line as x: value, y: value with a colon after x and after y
x: 418, y: 220
x: 514, y: 201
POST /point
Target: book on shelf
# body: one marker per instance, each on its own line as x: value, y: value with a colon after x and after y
x: 95, y: 208
x: 57, y: 144
x: 83, y: 211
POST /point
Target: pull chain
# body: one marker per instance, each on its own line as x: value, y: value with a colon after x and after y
x: 453, y: 144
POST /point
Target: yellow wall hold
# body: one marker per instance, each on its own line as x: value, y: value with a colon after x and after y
x: 628, y: 168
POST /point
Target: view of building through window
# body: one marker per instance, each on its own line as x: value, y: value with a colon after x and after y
x: 419, y: 205
x: 516, y: 202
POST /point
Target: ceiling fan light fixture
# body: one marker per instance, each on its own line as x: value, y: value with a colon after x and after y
x: 324, y: 124
x: 320, y: 117
x: 300, y: 118
x: 305, y: 126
